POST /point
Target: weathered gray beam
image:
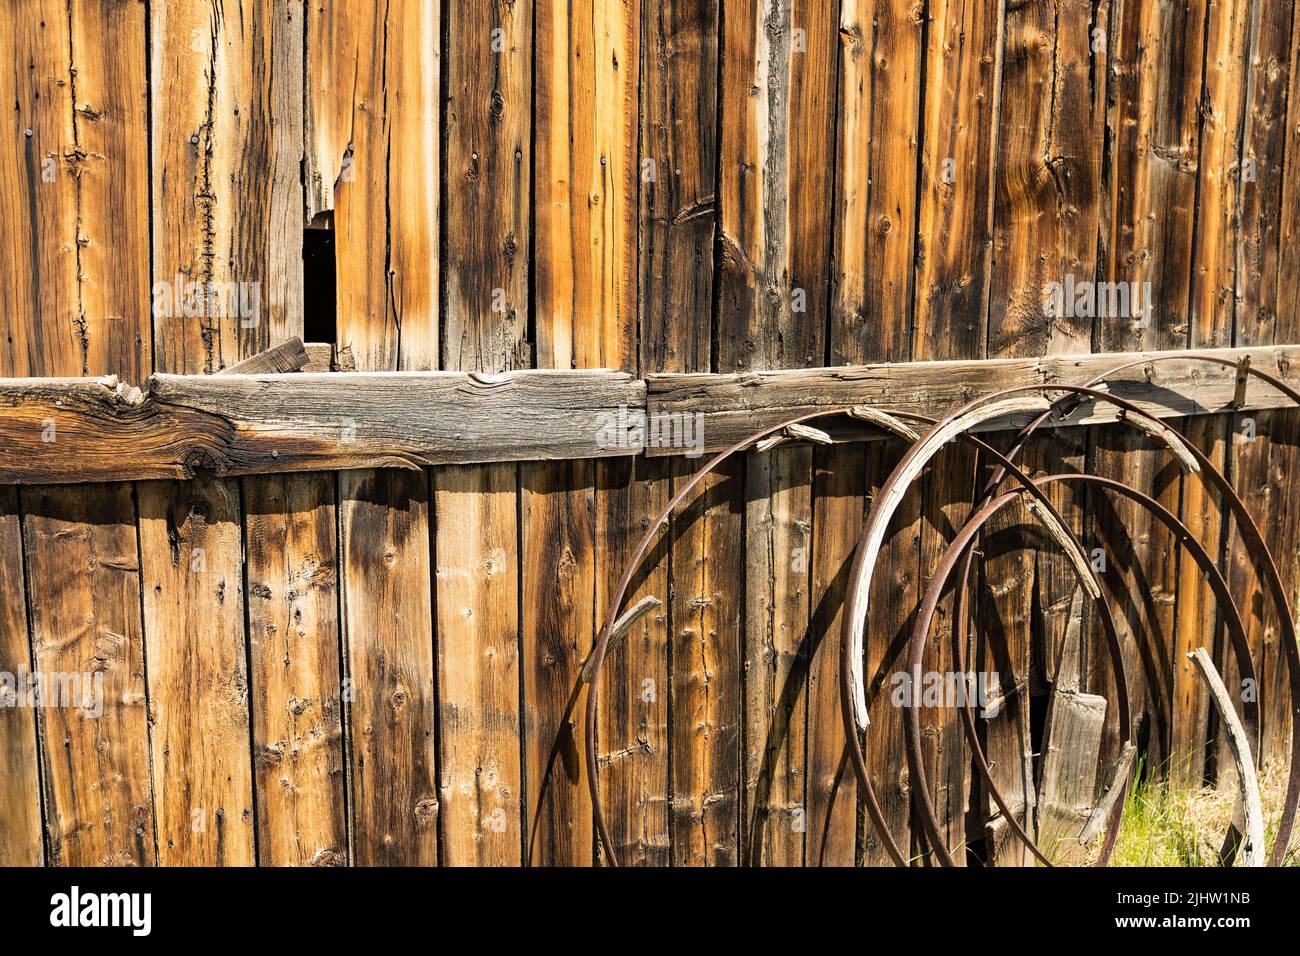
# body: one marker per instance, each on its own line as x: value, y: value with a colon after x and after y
x: 75, y: 430
x: 734, y: 405
x: 79, y: 430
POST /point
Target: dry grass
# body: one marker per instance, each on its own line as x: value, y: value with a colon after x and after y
x: 1166, y: 827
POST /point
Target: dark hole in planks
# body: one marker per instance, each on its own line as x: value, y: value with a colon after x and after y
x: 320, y: 280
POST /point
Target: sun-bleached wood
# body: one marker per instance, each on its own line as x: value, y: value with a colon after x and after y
x: 736, y: 405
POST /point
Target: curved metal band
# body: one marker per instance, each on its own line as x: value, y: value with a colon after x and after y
x: 1256, y: 547
x: 929, y: 604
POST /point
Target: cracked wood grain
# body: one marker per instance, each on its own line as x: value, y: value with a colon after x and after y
x: 238, y: 425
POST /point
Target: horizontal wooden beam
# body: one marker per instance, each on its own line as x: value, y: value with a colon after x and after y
x: 726, y: 408
x: 76, y: 430
x: 79, y: 430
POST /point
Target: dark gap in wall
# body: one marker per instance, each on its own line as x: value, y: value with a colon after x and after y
x: 320, y: 280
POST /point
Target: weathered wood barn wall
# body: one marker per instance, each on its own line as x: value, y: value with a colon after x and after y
x: 376, y: 667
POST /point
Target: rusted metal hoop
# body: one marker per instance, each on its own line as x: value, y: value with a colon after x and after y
x: 597, y: 657
x: 920, y: 638
x: 852, y: 681
x: 1256, y: 547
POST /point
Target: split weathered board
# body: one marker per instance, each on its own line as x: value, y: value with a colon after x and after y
x: 79, y: 430
x: 239, y: 425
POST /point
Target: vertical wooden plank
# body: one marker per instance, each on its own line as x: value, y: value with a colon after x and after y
x: 489, y: 101
x: 1045, y: 232
x: 778, y: 538
x: 706, y: 705
x: 227, y: 141
x: 962, y: 62
x: 831, y: 818
x: 111, y: 169
x: 875, y: 205
x: 881, y: 63
x: 86, y: 636
x: 39, y: 183
x: 372, y: 122
x: 1288, y: 276
x: 962, y: 59
x: 77, y: 289
x: 1213, y: 303
x: 1153, y: 127
x: 290, y: 537
x: 489, y: 75
x: 412, y: 84
x: 21, y: 843
x: 778, y: 77
x: 477, y: 570
x: 556, y: 508
x: 584, y: 182
x: 198, y: 678
x: 779, y: 73
x: 633, y: 718
x: 372, y: 156
x: 388, y: 624
x: 679, y: 119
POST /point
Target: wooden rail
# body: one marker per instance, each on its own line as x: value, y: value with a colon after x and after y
x: 66, y: 430
x: 99, y: 429
x: 737, y: 405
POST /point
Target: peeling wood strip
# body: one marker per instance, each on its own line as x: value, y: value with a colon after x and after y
x: 624, y: 624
